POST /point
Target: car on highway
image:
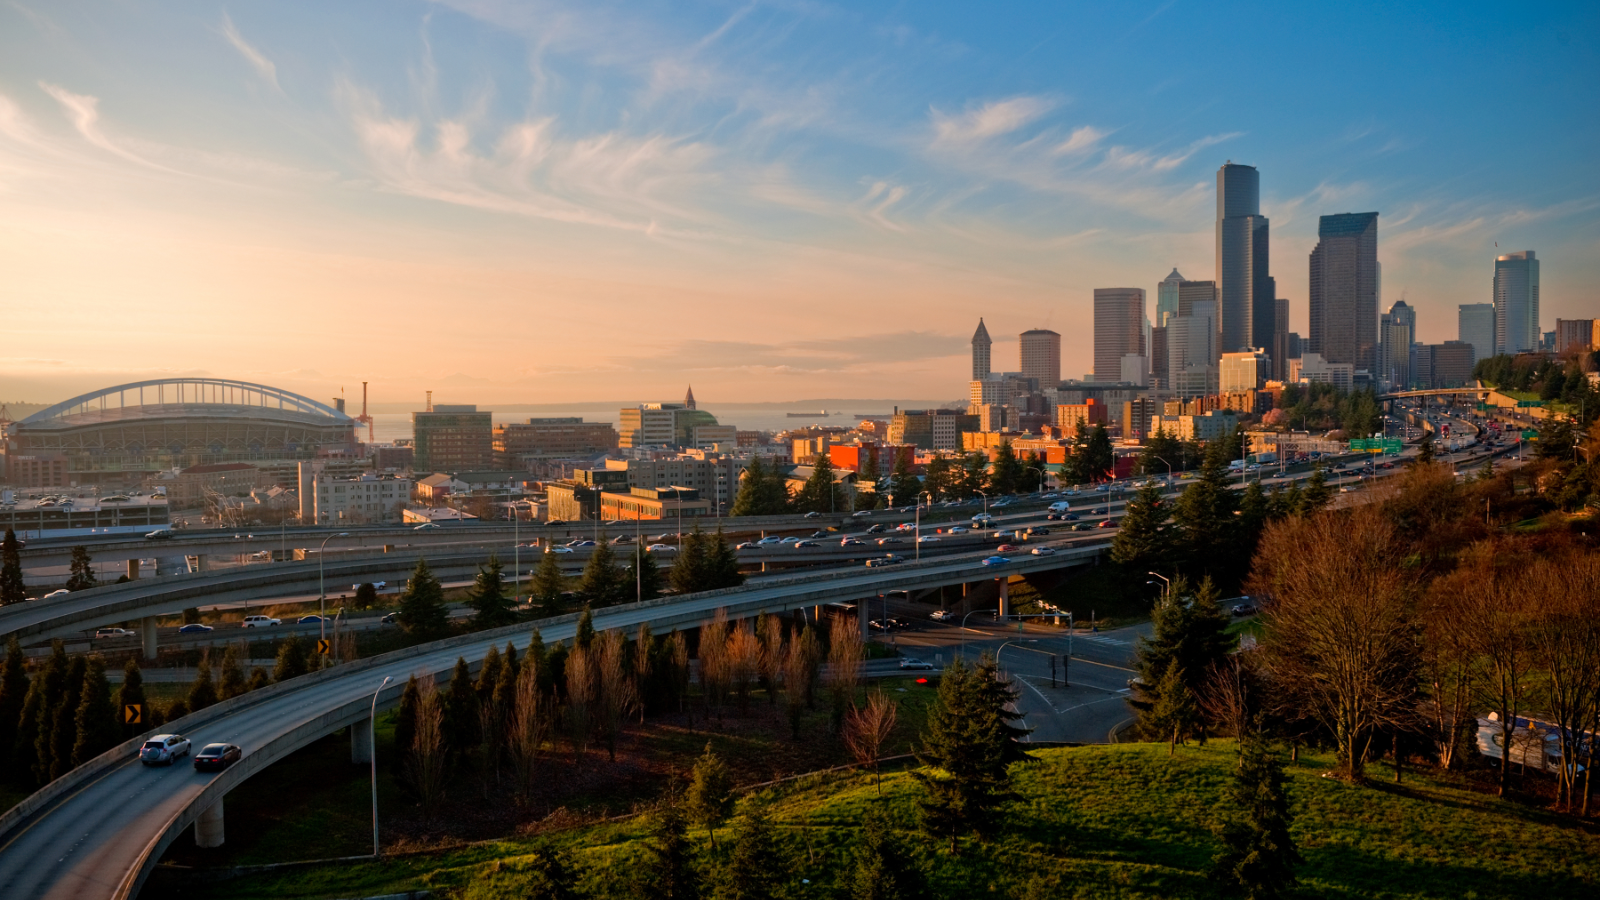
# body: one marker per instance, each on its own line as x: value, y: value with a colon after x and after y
x: 1038, y: 531
x: 260, y: 621
x: 1044, y: 551
x: 661, y: 548
x: 163, y: 749
x: 426, y: 526
x: 889, y: 540
x: 112, y: 632
x: 1006, y: 548
x: 813, y: 515
x: 1081, y: 526
x: 1108, y: 523
x: 53, y: 594
x: 1004, y: 535
x: 580, y: 542
x: 1244, y: 609
x: 996, y: 561
x: 803, y: 544
x: 1099, y: 510
x: 820, y: 534
x: 311, y: 620
x: 941, y: 615
x: 907, y: 662
x: 162, y: 535
x: 927, y: 539
x: 889, y: 560
x: 789, y: 540
x: 747, y: 545
x: 215, y: 757
x: 554, y: 522
x: 876, y: 529
x: 558, y: 550
x: 851, y: 542
x: 194, y: 628
x: 390, y: 619
x: 957, y: 529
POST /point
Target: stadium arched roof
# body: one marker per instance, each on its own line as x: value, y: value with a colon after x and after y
x: 184, y: 397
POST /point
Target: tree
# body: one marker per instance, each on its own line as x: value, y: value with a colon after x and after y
x: 13, y: 694
x: 1317, y: 494
x: 581, y: 673
x: 405, y: 720
x: 1340, y: 639
x: 763, y: 491
x: 710, y: 796
x: 583, y: 635
x: 1189, y: 637
x: 667, y: 871
x: 821, y: 493
x: 1204, y: 519
x: 491, y: 607
x: 366, y: 595
x: 202, y: 691
x: 870, y: 472
x: 258, y: 679
x: 422, y: 611
x: 461, y: 708
x: 82, y: 571
x: 96, y: 720
x: 690, y: 572
x: 722, y: 563
x: 426, y: 768
x: 755, y: 868
x: 968, y: 746
x: 1141, y: 542
x: 232, y: 677
x: 292, y: 661
x: 845, y: 651
x: 1259, y: 855
x: 33, y: 727
x: 548, y: 584
x: 867, y: 730
x: 526, y: 727
x: 1425, y: 449
x: 1173, y: 714
x: 1005, y: 474
x: 615, y: 692
x: 545, y: 873
x: 973, y: 474
x: 64, y: 722
x: 939, y: 480
x: 132, y: 694
x: 883, y: 869
x: 602, y: 581
x: 1098, y: 458
x: 12, y: 590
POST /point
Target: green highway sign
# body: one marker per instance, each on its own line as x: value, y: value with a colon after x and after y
x: 1530, y: 435
x: 1391, y: 445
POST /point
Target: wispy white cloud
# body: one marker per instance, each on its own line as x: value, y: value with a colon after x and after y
x: 989, y: 120
x: 1081, y: 139
x: 84, y: 113
x: 257, y: 60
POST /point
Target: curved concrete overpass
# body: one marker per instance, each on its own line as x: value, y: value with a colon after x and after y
x: 98, y: 831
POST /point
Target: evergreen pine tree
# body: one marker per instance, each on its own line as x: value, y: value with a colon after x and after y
x: 57, y: 753
x: 31, y: 756
x: 366, y: 595
x: 422, y: 610
x: 974, y: 475
x: 904, y: 486
x: 292, y: 661
x: 1173, y: 714
x: 202, y: 691
x: 602, y: 581
x: 1317, y: 494
x: 755, y: 868
x: 1425, y: 449
x: 870, y: 472
x: 405, y: 720
x: 583, y: 636
x: 132, y: 694
x: 1142, y: 542
x: 938, y: 479
x: 96, y: 719
x: 967, y: 747
x: 81, y: 575
x: 12, y: 590
x: 461, y: 724
x: 756, y: 496
x: 1190, y: 635
x: 488, y: 675
x: 258, y: 679
x: 1204, y: 517
x: 1259, y: 855
x: 1160, y: 450
x: 1006, y: 473
x: 1294, y: 500
x: 13, y: 694
x: 722, y: 563
x: 690, y: 572
x: 1255, y: 509
x: 883, y: 867
x: 710, y: 795
x: 491, y: 606
x: 1098, y: 458
x: 539, y: 658
x: 646, y: 575
x: 667, y: 871
x: 231, y: 675
x: 821, y: 494
x: 548, y: 583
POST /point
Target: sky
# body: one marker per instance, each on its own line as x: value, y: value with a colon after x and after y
x: 539, y: 202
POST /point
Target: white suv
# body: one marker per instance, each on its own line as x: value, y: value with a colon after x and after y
x: 260, y: 621
x: 164, y: 749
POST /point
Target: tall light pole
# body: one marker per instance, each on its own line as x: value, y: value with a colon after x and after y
x: 516, y: 553
x: 322, y: 585
x: 916, y: 526
x: 1164, y: 578
x: 1040, y: 489
x: 372, y: 754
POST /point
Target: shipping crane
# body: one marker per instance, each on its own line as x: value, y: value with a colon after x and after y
x: 365, y: 419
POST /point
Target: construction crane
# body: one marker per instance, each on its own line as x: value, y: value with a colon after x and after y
x: 365, y: 419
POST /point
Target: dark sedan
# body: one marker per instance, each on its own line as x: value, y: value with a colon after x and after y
x: 217, y: 756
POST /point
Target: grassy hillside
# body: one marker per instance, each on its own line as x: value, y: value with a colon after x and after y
x: 1104, y: 822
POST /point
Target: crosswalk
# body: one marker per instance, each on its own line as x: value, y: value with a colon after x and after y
x: 1104, y: 639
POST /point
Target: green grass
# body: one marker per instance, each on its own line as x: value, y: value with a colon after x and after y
x: 1109, y: 821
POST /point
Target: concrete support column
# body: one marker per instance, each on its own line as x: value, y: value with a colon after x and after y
x: 202, y: 563
x: 1005, y: 597
x: 361, y: 741
x: 861, y: 616
x: 147, y: 634
x: 133, y: 570
x: 208, y: 828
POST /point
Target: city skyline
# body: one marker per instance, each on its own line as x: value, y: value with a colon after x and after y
x: 186, y: 183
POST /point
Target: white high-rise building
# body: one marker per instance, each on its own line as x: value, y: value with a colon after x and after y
x: 1516, y: 303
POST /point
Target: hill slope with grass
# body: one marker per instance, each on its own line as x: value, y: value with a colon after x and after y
x: 1122, y: 821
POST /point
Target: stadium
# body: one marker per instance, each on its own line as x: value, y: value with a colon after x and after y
x: 125, y: 434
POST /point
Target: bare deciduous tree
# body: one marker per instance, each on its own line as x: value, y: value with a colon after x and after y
x: 615, y: 693
x: 714, y: 660
x: 1494, y: 605
x: 844, y: 666
x: 1566, y: 645
x: 744, y: 663
x: 867, y: 730
x: 680, y: 670
x: 772, y: 637
x: 1230, y: 696
x: 580, y: 699
x: 426, y: 766
x: 528, y: 728
x: 1340, y: 634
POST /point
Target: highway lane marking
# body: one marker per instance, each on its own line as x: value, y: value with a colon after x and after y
x: 58, y: 804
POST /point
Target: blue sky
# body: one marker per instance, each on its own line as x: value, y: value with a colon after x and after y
x: 538, y: 202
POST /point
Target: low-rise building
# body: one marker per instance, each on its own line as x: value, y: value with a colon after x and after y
x: 653, y: 503
x: 190, y: 487
x: 931, y: 429
x: 368, y: 499
x: 517, y: 444
x: 1313, y: 369
x: 1209, y: 427
x: 1089, y: 413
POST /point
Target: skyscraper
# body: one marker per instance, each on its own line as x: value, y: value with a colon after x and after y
x: 1475, y: 326
x: 1167, y: 298
x: 980, y: 352
x: 1280, y: 339
x: 1344, y: 290
x: 1192, y: 349
x: 1516, y: 303
x: 1245, y: 292
x: 1118, y: 329
x: 1397, y: 331
x: 1040, y: 351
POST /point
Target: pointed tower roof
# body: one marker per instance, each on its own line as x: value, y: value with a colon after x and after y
x: 688, y: 399
x: 981, y: 336
x: 1175, y: 276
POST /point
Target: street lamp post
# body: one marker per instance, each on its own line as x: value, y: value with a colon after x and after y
x: 916, y: 526
x: 1165, y: 579
x: 372, y: 754
x: 322, y: 585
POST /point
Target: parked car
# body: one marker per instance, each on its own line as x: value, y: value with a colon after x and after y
x: 260, y: 621
x: 163, y: 749
x: 215, y: 757
x: 111, y: 632
x: 194, y: 628
x: 907, y: 662
x: 996, y: 561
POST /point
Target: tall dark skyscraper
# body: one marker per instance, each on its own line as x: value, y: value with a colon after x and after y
x: 1244, y: 289
x: 1344, y: 291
